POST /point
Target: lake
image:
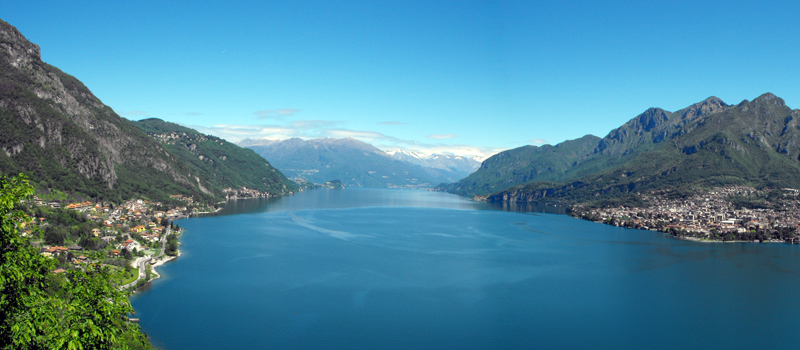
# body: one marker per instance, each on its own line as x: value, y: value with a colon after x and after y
x: 392, y: 269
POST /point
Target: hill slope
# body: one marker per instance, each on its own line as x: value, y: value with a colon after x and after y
x: 220, y: 163
x: 522, y: 165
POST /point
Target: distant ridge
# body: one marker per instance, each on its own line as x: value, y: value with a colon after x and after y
x: 354, y: 163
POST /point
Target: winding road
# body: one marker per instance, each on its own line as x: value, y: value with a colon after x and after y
x: 141, y: 262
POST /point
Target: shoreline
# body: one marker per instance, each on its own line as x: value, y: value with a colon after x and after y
x: 154, y: 275
x: 685, y: 238
x: 160, y: 262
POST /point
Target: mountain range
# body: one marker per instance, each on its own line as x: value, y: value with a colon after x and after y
x: 460, y: 166
x: 710, y: 143
x: 65, y: 139
x: 359, y: 164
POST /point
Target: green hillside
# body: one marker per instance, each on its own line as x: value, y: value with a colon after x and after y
x: 522, y: 165
x: 220, y: 163
x: 754, y: 143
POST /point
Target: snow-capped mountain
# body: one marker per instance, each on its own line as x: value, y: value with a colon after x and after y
x: 460, y: 165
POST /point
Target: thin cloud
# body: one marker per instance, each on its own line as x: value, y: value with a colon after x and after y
x: 537, y: 141
x: 368, y: 136
x: 279, y: 114
x: 442, y: 136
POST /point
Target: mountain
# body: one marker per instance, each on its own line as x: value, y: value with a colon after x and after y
x: 458, y: 166
x: 223, y: 165
x: 522, y: 165
x: 64, y: 138
x: 755, y: 143
x: 353, y: 162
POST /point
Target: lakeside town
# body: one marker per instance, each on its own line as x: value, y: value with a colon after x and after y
x: 133, y: 237
x: 735, y: 213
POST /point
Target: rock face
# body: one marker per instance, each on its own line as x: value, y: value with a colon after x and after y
x: 653, y: 126
x: 63, y: 137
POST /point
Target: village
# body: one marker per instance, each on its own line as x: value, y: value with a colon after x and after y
x: 134, y: 236
x: 715, y: 215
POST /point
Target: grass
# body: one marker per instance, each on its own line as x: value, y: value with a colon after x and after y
x: 124, y: 277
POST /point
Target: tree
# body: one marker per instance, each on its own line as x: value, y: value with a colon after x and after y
x: 55, y: 235
x: 80, y: 310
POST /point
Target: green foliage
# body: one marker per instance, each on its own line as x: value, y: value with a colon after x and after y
x: 79, y: 310
x: 172, y: 245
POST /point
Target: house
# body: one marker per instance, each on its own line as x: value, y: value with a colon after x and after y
x: 130, y: 245
x: 56, y: 250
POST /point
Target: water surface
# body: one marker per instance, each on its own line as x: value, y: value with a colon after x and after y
x: 389, y: 269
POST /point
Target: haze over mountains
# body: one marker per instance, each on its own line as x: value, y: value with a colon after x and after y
x: 710, y: 143
x: 64, y: 138
x: 359, y: 164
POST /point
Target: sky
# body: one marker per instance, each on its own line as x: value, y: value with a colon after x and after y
x: 465, y: 77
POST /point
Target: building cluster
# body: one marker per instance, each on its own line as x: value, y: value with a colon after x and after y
x: 712, y: 215
x: 244, y: 192
x: 171, y: 137
x: 133, y: 226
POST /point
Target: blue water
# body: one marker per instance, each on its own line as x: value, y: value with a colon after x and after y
x: 388, y: 269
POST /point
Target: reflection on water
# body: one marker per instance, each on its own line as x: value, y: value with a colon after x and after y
x: 366, y: 197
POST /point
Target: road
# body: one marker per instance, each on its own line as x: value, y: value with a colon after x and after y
x: 141, y: 262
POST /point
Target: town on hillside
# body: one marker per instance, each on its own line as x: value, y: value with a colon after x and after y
x: 132, y: 237
x: 735, y: 213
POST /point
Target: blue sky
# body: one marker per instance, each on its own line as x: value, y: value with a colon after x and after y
x: 467, y: 77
